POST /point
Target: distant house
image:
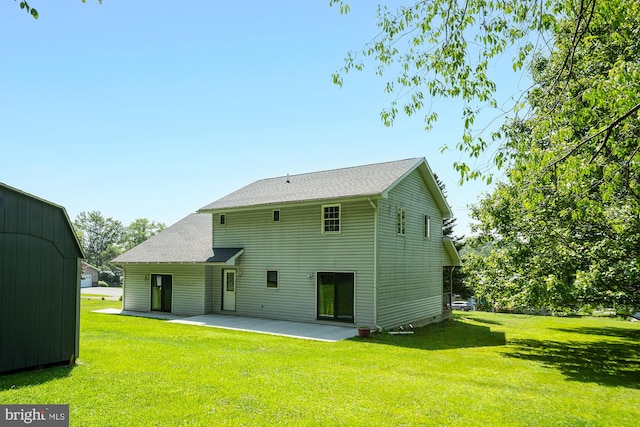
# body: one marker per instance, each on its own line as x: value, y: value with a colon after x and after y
x: 39, y: 283
x: 360, y: 245
x: 90, y: 275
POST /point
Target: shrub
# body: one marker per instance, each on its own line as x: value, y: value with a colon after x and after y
x: 110, y: 278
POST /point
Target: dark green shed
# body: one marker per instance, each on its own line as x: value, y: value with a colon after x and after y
x: 39, y: 283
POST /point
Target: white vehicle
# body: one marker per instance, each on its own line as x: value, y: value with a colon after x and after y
x: 461, y: 305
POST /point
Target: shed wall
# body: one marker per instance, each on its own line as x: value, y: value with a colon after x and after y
x: 39, y: 283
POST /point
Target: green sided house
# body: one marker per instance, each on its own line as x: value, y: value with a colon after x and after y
x: 360, y: 245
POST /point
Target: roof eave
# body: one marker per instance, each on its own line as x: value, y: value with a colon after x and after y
x: 297, y: 203
x: 123, y: 263
x: 450, y: 247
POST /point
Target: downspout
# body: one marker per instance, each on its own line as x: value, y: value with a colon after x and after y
x: 124, y: 274
x: 375, y: 262
x: 453, y: 267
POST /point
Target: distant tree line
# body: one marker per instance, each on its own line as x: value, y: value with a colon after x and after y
x: 103, y: 239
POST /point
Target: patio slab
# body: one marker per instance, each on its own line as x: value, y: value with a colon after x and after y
x: 285, y: 328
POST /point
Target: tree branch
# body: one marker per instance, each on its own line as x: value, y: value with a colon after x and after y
x: 606, y: 130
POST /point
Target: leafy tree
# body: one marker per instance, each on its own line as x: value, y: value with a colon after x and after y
x: 99, y: 236
x: 441, y: 48
x: 32, y: 11
x: 140, y: 230
x: 564, y: 229
x: 105, y: 238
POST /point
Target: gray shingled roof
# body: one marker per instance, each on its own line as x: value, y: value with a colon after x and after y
x: 359, y: 181
x: 188, y: 240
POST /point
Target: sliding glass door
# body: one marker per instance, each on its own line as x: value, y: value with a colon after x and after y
x: 336, y: 296
x: 161, y: 290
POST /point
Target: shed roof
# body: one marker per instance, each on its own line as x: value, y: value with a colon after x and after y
x: 360, y: 181
x: 186, y: 241
x: 67, y: 222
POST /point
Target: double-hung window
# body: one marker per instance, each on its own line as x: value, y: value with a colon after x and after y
x: 402, y: 221
x: 427, y: 227
x: 331, y: 218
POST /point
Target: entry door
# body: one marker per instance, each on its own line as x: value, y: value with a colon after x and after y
x: 229, y: 290
x: 335, y: 296
x: 161, y: 290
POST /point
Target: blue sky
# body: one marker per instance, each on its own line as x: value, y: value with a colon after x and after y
x: 153, y: 109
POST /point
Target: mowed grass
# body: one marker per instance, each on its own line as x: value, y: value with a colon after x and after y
x: 480, y: 369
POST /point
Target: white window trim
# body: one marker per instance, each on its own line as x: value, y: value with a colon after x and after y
x: 401, y: 222
x: 427, y: 226
x: 322, y: 223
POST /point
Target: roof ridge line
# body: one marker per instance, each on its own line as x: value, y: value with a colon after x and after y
x: 288, y: 175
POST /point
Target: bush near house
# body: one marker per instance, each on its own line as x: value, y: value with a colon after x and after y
x: 110, y: 278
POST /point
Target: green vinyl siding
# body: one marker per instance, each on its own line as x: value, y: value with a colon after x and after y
x: 396, y: 314
x: 208, y: 289
x: 136, y: 294
x: 188, y: 290
x: 297, y: 248
x: 409, y: 282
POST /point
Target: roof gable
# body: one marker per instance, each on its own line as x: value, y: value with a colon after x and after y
x: 354, y: 182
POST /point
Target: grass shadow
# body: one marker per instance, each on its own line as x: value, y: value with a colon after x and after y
x: 477, y: 320
x: 27, y: 378
x: 451, y: 334
x: 601, y: 362
x: 610, y: 331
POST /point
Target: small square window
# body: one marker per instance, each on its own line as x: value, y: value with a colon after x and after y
x: 223, y: 219
x: 276, y: 215
x: 272, y: 279
x: 402, y: 221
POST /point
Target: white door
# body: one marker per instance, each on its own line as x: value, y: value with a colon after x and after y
x: 229, y: 290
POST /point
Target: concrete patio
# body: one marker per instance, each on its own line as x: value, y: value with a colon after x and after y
x: 300, y: 330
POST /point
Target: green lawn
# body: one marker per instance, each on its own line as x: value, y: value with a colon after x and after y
x: 480, y: 369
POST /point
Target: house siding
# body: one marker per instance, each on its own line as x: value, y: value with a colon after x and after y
x: 297, y: 248
x: 188, y: 289
x: 209, y: 272
x: 409, y: 282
